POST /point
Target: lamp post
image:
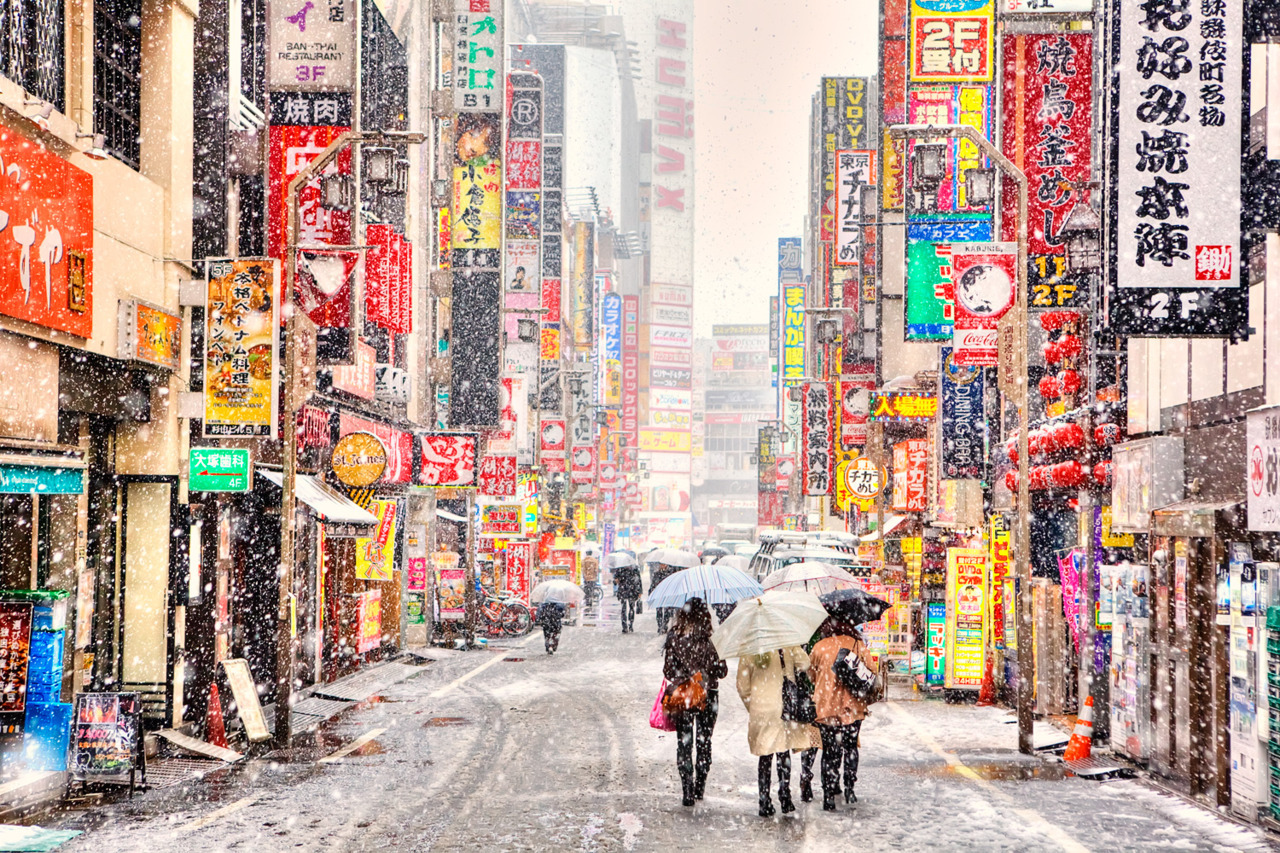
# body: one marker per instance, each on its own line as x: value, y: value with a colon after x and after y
x: 1022, y: 525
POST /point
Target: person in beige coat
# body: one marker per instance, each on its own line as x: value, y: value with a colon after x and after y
x: 840, y: 713
x: 760, y: 687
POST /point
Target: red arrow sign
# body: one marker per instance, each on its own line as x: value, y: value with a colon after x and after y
x: 221, y: 474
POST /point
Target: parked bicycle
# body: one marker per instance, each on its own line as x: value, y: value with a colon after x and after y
x: 505, y: 617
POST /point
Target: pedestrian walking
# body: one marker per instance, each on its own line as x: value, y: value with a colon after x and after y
x: 688, y: 652
x: 630, y: 588
x: 551, y: 617
x: 810, y: 755
x: 840, y: 712
x: 659, y: 573
x: 770, y: 737
x: 724, y: 611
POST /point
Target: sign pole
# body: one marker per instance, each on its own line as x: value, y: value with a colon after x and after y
x: 469, y: 578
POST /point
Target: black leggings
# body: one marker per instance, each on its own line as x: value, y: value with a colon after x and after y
x: 628, y: 613
x: 839, y: 745
x: 784, y: 775
x: 696, y: 729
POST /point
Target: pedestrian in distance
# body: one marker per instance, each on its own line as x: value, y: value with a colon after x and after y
x: 810, y: 755
x: 551, y: 617
x: 840, y: 711
x: 659, y: 573
x: 630, y: 588
x: 769, y: 736
x: 689, y: 652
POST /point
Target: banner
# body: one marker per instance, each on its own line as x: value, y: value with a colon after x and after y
x: 817, y: 450
x: 967, y: 585
x: 854, y: 170
x: 929, y: 297
x: 241, y: 393
x: 791, y: 291
x: 911, y: 475
x: 519, y: 570
x: 963, y: 422
x: 983, y: 277
x: 448, y: 459
x: 1001, y: 561
x: 952, y: 40
x: 376, y: 554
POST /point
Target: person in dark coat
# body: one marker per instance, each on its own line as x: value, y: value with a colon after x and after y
x: 630, y: 588
x: 551, y: 617
x: 688, y: 650
x: 659, y: 573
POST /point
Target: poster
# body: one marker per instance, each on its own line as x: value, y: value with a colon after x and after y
x: 1069, y: 570
x: 416, y: 574
x: 967, y: 584
x: 500, y: 520
x: 15, y: 658
x: 105, y: 738
x: 983, y: 277
x: 376, y: 554
x: 817, y: 451
x: 450, y: 585
x: 368, y: 620
x: 519, y: 570
x: 241, y: 394
x: 1262, y: 472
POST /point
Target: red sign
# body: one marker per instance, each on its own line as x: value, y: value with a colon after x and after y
x: 911, y: 475
x: 519, y: 569
x: 524, y: 164
x: 983, y: 278
x: 951, y: 48
x: 583, y: 470
x: 551, y: 300
x: 498, y: 476
x: 1048, y: 87
x: 388, y: 272
x: 416, y: 574
x: 46, y: 228
x: 553, y: 437
x: 399, y: 445
x: 448, y: 459
x: 817, y: 453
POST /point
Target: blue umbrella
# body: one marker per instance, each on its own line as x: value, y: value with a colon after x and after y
x: 714, y: 584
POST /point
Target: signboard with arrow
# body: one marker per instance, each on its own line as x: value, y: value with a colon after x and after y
x: 218, y: 469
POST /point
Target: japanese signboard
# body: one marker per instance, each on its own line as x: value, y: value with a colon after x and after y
x: 398, y: 444
x: 519, y: 570
x: 46, y: 277
x: 862, y: 480
x: 149, y: 334
x: 388, y: 269
x: 498, y: 476
x: 1001, y: 563
x: 218, y: 469
x: 854, y: 170
x: 969, y: 105
x: 1263, y: 469
x: 791, y: 290
x: 448, y: 459
x: 311, y: 45
x: 240, y: 388
x: 582, y: 469
x: 106, y: 740
x: 611, y: 348
x: 929, y: 296
x: 665, y: 441
x: 848, y: 118
x: 855, y: 405
x: 1175, y: 235
x: 15, y: 658
x: 631, y: 368
x: 368, y: 620
x: 817, y: 445
x: 1045, y: 7
x: 935, y: 643
x: 451, y: 585
x: 376, y: 554
x: 500, y: 520
x: 983, y: 277
x: 890, y: 406
x: 911, y: 475
x: 963, y: 421
x: 766, y: 460
x: 952, y: 40
x: 582, y: 276
x: 967, y: 585
x: 477, y: 55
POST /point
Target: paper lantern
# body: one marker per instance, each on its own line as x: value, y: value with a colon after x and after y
x: 1068, y: 436
x: 1105, y: 435
x: 1051, y: 321
x: 1069, y: 346
x: 1011, y: 480
x: 1065, y: 475
x: 1038, y: 478
x: 1102, y: 473
x: 1049, y: 387
x: 1070, y: 381
x: 1011, y: 448
x: 1052, y: 352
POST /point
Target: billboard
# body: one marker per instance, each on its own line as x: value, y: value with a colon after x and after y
x: 241, y: 392
x: 791, y: 286
x: 854, y: 170
x: 983, y: 277
x: 952, y: 40
x: 963, y: 421
x: 817, y: 447
x: 929, y: 307
x: 967, y: 591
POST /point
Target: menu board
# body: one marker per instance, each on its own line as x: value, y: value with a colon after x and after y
x: 107, y: 740
x: 15, y: 657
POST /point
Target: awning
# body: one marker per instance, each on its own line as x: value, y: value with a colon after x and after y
x: 1192, y: 517
x: 330, y: 506
x: 448, y: 516
x: 891, y: 523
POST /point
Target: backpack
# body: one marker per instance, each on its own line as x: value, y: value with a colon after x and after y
x: 853, y: 674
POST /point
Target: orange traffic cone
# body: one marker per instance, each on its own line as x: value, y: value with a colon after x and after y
x: 1081, y: 743
x: 987, y: 694
x: 215, y: 732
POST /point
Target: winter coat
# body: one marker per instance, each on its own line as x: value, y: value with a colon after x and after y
x: 836, y: 706
x: 630, y: 586
x: 659, y: 573
x: 690, y: 653
x: 550, y: 616
x: 760, y: 686
x: 590, y: 570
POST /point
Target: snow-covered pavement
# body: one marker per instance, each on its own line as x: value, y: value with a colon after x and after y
x: 514, y: 750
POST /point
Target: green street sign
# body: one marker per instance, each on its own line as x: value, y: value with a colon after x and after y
x: 218, y: 469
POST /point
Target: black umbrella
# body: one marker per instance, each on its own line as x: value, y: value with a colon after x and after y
x: 854, y: 606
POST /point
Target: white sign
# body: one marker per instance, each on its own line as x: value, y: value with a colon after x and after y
x: 312, y: 45
x: 1262, y: 469
x: 1039, y: 7
x: 671, y: 336
x: 670, y: 398
x: 671, y: 315
x: 854, y: 169
x: 670, y: 463
x: 671, y: 294
x: 478, y: 82
x: 743, y: 344
x: 1179, y: 144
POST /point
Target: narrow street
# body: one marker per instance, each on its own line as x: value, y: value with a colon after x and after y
x: 509, y: 749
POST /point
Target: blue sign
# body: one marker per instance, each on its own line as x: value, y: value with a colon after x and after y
x: 611, y: 347
x: 37, y: 479
x: 963, y: 421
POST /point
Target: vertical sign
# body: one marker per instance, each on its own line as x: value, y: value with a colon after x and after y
x: 1175, y: 237
x: 523, y: 261
x: 952, y: 40
x: 519, y: 570
x: 963, y: 421
x: 983, y: 278
x: 967, y: 585
x: 845, y: 118
x: 376, y: 554
x: 1263, y: 469
x: 611, y: 321
x: 1001, y: 558
x: 477, y: 56
x: 583, y: 279
x: 935, y: 643
x: 791, y: 287
x: 854, y: 169
x: 911, y: 475
x: 241, y: 395
x: 631, y: 369
x: 817, y: 452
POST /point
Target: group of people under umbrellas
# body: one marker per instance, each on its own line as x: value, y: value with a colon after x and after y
x: 804, y: 673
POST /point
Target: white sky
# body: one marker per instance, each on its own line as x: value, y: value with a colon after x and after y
x: 756, y: 65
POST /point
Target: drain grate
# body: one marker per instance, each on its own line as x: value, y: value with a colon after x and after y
x: 167, y: 772
x: 442, y: 722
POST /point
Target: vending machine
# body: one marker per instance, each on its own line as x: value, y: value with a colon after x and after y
x: 1125, y: 588
x: 1250, y: 780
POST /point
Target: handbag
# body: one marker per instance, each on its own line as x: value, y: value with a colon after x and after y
x: 853, y: 674
x: 797, y: 701
x: 687, y: 697
x: 657, y: 717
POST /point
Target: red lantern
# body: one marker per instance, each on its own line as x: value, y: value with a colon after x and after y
x: 1066, y: 475
x: 1105, y: 435
x: 1011, y: 448
x: 1049, y: 387
x: 1051, y: 321
x: 1070, y: 381
x: 1069, y: 346
x: 1048, y: 441
x: 1035, y: 443
x: 1011, y: 480
x: 1102, y: 473
x: 1052, y: 352
x: 1068, y: 436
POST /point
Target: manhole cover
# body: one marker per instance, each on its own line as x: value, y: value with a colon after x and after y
x: 442, y: 722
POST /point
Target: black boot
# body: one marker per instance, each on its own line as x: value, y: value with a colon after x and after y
x: 784, y: 783
x: 849, y: 795
x: 806, y: 791
x: 700, y: 783
x: 766, y: 801
x: 686, y: 787
x: 828, y: 801
x: 784, y: 800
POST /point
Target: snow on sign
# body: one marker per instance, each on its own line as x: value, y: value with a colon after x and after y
x: 983, y: 277
x: 817, y: 450
x: 448, y: 459
x: 1176, y: 236
x: 854, y: 170
x: 1262, y: 469
x: 952, y: 41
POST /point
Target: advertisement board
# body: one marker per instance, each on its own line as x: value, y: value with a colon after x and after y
x: 376, y: 554
x: 935, y: 643
x: 967, y: 590
x: 241, y: 391
x: 952, y: 40
x: 1262, y: 443
x: 368, y: 620
x: 983, y: 280
x: 479, y: 55
x: 854, y: 170
x: 447, y: 459
x: 519, y: 570
x: 911, y: 475
x: 817, y: 446
x: 791, y: 292
x: 311, y: 46
x: 963, y: 421
x: 929, y: 297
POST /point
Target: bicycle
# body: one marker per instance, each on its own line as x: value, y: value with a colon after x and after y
x: 505, y: 616
x: 594, y: 594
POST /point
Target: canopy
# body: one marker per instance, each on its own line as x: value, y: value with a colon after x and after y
x: 328, y: 505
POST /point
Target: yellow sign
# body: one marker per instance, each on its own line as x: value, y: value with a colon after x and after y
x: 968, y: 580
x: 157, y: 336
x: 376, y: 554
x: 1110, y: 539
x: 359, y: 459
x: 477, y: 203
x: 240, y: 391
x: 669, y: 441
x: 858, y: 480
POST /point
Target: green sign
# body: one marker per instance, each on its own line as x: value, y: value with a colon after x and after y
x: 40, y: 480
x: 218, y: 469
x: 928, y: 303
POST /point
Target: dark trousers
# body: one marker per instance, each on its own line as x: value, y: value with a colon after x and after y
x: 663, y: 615
x: 784, y: 776
x: 628, y: 615
x: 695, y: 729
x: 839, y: 746
x: 806, y: 766
x: 551, y: 636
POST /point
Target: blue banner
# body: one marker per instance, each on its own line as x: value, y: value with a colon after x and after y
x: 963, y: 421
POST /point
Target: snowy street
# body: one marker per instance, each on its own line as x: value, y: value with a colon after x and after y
x: 509, y: 749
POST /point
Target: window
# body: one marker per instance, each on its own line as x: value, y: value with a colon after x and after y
x: 117, y: 76
x: 31, y: 48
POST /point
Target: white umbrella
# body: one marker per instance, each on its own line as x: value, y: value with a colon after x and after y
x: 713, y: 584
x: 735, y: 561
x: 557, y: 592
x: 673, y: 557
x: 810, y: 576
x: 617, y: 560
x: 775, y: 620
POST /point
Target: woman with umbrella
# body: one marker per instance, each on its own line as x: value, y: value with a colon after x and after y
x: 553, y: 598
x: 626, y: 577
x: 666, y: 562
x: 689, y: 652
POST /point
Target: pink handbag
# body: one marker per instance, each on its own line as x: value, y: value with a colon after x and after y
x: 657, y: 717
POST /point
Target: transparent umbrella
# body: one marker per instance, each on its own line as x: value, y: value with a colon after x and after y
x: 617, y: 560
x: 557, y: 592
x: 810, y: 576
x: 775, y: 620
x: 673, y: 557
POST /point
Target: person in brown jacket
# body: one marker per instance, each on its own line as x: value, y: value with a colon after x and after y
x: 840, y: 713
x: 688, y: 651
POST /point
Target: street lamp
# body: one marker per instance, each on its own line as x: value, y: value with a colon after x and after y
x: 1082, y: 231
x: 980, y: 186
x: 1022, y: 542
